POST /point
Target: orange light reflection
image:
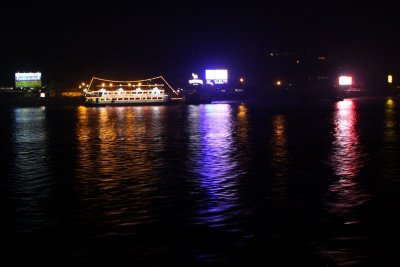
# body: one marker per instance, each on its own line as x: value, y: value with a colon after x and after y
x: 279, y: 162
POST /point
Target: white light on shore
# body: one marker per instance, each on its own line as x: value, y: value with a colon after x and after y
x: 345, y: 80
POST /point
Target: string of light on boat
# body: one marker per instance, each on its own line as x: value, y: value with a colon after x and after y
x: 132, y: 83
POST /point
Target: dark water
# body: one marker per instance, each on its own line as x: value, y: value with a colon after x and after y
x: 217, y: 184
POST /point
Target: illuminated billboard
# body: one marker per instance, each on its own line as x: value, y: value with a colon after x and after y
x: 195, y: 80
x: 345, y: 80
x: 217, y: 76
x: 28, y: 79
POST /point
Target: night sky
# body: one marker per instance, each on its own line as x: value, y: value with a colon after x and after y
x: 70, y: 42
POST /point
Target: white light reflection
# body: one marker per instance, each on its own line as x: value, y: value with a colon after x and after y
x: 33, y: 184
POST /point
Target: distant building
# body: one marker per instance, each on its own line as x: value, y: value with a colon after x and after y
x: 298, y: 73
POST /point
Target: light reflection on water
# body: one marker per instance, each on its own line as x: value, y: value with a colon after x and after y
x: 279, y: 148
x: 242, y: 127
x: 347, y: 159
x: 390, y: 144
x: 165, y: 177
x: 279, y: 156
x: 211, y: 147
x: 346, y: 196
x: 33, y: 184
x: 119, y: 167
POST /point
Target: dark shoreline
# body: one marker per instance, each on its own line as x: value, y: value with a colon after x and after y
x: 266, y: 100
x: 38, y: 102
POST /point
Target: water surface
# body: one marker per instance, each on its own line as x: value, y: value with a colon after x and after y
x: 222, y: 183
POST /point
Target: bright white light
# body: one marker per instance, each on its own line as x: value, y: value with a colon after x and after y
x: 217, y: 76
x: 42, y: 95
x: 345, y: 80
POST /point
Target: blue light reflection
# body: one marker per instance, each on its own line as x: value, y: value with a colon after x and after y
x: 211, y: 145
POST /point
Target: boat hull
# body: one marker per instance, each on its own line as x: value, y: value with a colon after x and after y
x: 116, y: 104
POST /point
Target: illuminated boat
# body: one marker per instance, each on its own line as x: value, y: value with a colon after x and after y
x: 153, y: 91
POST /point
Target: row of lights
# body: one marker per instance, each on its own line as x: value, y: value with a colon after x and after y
x: 137, y: 89
x: 84, y: 85
x: 129, y: 84
x: 346, y: 79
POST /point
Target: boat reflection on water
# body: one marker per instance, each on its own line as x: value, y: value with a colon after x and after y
x: 117, y: 165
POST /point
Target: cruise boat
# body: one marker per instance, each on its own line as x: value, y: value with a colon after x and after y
x: 103, y: 92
